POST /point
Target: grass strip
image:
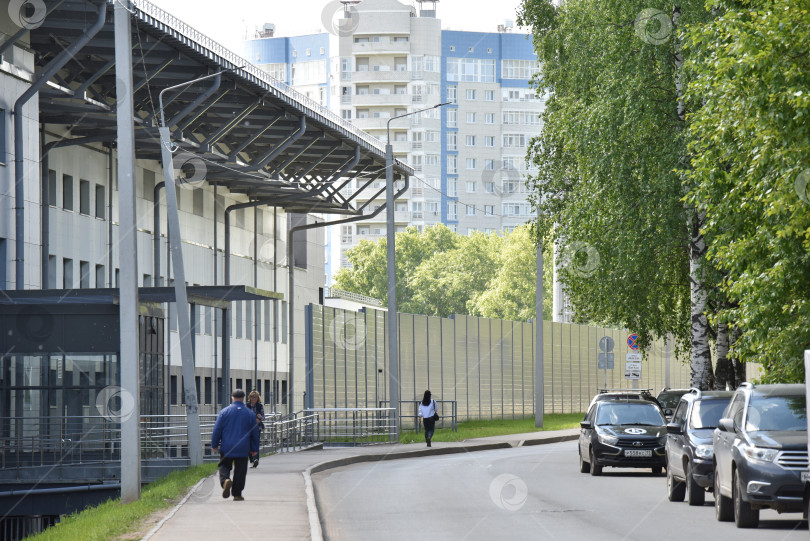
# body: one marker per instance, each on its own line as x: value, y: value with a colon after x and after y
x: 498, y: 427
x: 112, y: 519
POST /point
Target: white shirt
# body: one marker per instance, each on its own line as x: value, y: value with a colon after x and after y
x: 427, y: 411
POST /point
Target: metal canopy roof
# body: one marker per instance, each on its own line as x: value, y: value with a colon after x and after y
x: 215, y: 296
x: 246, y: 131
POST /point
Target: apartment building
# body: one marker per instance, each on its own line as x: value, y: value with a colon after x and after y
x: 382, y: 59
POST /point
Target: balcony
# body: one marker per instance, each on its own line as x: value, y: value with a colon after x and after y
x: 391, y: 100
x: 374, y: 237
x: 370, y: 123
x: 386, y: 76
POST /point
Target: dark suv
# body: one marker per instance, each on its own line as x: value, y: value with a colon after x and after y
x: 668, y: 400
x: 760, y: 451
x: 690, y: 469
x: 623, y: 433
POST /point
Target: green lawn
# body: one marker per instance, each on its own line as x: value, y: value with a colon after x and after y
x: 481, y: 429
x: 113, y: 519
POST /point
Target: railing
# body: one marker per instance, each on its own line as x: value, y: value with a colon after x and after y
x: 292, y: 433
x: 409, y: 414
x: 353, y: 426
x: 150, y: 10
x: 348, y: 295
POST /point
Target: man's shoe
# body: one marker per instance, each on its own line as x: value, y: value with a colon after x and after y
x: 238, y: 499
x: 255, y: 462
x: 226, y: 488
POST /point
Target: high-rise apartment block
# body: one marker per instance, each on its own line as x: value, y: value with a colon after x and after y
x: 382, y: 59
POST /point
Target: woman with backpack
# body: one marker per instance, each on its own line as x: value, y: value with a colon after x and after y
x: 428, y: 415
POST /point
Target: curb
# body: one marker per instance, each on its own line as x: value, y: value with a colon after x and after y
x: 316, y: 532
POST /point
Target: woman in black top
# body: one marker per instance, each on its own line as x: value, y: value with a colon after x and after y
x: 254, y: 403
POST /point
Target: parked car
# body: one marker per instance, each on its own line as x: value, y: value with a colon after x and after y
x: 690, y: 468
x: 668, y: 400
x: 760, y: 451
x: 622, y: 433
x: 623, y: 394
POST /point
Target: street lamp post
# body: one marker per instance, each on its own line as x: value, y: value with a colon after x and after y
x: 393, y: 345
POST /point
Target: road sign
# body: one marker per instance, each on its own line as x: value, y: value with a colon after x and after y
x: 605, y: 361
x: 606, y: 344
x: 632, y: 341
x: 632, y: 366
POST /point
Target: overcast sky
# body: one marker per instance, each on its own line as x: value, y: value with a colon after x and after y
x: 228, y: 22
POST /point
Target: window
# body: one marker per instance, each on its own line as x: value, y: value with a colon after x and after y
x: 489, y: 210
x: 452, y: 94
x: 432, y: 207
x: 361, y: 63
x: 67, y: 192
x: 52, y: 187
x: 452, y: 187
x: 84, y: 197
x: 249, y: 320
x: 471, y: 117
x: 470, y: 140
x: 416, y: 209
x: 361, y: 113
x: 452, y: 210
x: 361, y: 39
x: 489, y: 187
x: 294, y: 53
x: 51, y: 271
x: 238, y: 312
x: 452, y: 48
x: 452, y: 164
x: 100, y: 201
x: 452, y: 140
x: 489, y: 118
x: 489, y: 140
x: 208, y: 398
x: 198, y: 201
x: 346, y: 114
x: 147, y: 280
x: 489, y: 95
x: 309, y: 52
x: 67, y: 273
x: 519, y: 69
x: 471, y: 210
x: 452, y: 118
x: 173, y: 390
x: 431, y: 159
x: 100, y: 279
x: 471, y: 94
x: 400, y: 39
x: 323, y: 50
x: 516, y: 209
x: 207, y: 316
x: 471, y: 70
x: 471, y: 164
x: 471, y: 186
x: 514, y: 140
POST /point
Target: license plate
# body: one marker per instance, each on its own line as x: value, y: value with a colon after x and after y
x: 805, y: 476
x: 637, y: 452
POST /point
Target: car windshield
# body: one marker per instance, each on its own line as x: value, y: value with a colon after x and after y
x: 629, y: 414
x: 670, y: 400
x: 707, y: 413
x: 777, y: 413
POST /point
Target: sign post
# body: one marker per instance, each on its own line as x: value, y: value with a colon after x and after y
x: 632, y: 367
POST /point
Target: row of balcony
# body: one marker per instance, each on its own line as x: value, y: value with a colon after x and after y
x: 388, y: 76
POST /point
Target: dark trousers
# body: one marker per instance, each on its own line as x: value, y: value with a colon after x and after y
x: 239, y: 465
x: 430, y: 425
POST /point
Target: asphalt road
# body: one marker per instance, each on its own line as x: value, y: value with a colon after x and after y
x: 523, y: 493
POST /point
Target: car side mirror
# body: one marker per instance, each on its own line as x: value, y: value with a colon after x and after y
x: 674, y: 428
x: 726, y: 424
x: 585, y: 424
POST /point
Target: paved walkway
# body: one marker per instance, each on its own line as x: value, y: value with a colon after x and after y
x: 278, y: 504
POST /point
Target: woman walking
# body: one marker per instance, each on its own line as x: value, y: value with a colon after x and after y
x: 427, y: 414
x: 255, y: 405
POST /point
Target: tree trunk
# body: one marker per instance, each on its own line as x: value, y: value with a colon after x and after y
x: 701, y: 360
x: 738, y: 366
x: 724, y: 370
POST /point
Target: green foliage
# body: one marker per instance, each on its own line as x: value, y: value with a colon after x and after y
x: 612, y: 142
x: 750, y: 143
x: 440, y: 273
x: 495, y: 427
x: 112, y: 518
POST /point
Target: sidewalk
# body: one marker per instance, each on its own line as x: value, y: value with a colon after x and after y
x: 278, y: 502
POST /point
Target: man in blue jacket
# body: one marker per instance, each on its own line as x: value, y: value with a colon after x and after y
x: 236, y: 436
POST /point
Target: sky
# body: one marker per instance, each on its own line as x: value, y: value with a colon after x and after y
x: 232, y: 20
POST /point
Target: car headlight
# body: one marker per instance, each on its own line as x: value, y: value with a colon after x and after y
x: 608, y: 439
x: 704, y: 451
x: 759, y: 454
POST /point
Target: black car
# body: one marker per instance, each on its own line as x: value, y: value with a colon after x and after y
x: 623, y: 394
x: 690, y: 468
x: 760, y: 452
x: 668, y: 400
x: 623, y: 433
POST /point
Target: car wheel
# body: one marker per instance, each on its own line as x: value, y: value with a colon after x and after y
x: 722, y: 505
x: 744, y: 515
x: 584, y: 467
x: 695, y: 493
x: 675, y: 488
x: 596, y: 468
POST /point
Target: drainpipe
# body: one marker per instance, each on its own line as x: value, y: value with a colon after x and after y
x: 291, y: 267
x: 19, y: 147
